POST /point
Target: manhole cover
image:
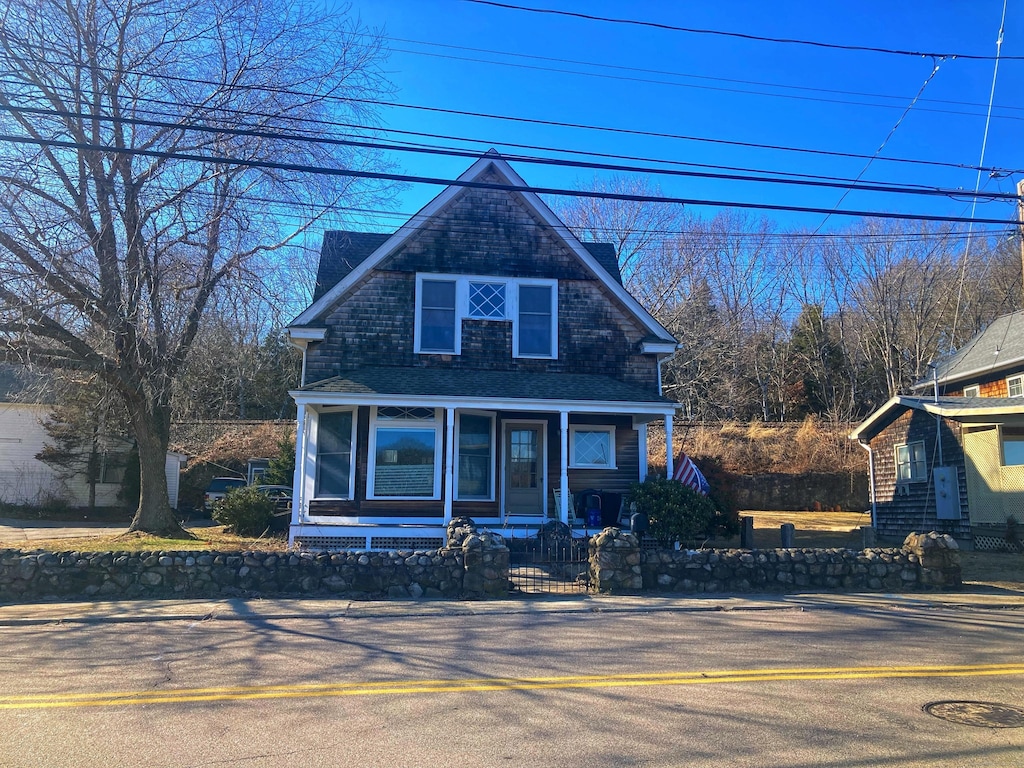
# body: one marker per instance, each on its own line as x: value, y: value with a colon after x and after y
x: 983, y: 714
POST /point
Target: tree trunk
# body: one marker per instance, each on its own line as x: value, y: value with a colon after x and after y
x: 154, y: 514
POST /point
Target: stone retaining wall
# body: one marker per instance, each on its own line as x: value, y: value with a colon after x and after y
x: 475, y: 564
x: 926, y: 561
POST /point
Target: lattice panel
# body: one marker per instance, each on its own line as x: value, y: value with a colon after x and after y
x: 993, y: 544
x: 405, y: 542
x: 333, y: 543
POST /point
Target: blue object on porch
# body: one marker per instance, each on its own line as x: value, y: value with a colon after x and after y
x: 591, y: 501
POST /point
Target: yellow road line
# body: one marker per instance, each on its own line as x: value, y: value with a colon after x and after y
x: 394, y: 687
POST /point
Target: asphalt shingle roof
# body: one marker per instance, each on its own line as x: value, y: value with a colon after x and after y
x: 998, y: 346
x: 502, y: 385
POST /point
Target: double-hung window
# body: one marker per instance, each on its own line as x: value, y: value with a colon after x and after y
x: 438, y: 324
x: 334, y: 438
x: 535, y: 329
x: 1015, y: 386
x: 910, y: 463
x: 405, y: 444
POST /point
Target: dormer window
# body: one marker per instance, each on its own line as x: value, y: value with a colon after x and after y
x: 972, y: 391
x: 444, y: 301
x: 1015, y: 386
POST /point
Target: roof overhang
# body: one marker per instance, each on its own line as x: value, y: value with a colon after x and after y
x: 966, y: 410
x: 659, y: 347
x: 301, y: 336
x: 652, y: 409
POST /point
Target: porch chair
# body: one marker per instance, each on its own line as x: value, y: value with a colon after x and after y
x: 557, y: 493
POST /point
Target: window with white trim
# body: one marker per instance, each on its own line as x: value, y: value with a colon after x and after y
x: 403, y: 456
x: 534, y: 333
x: 334, y: 457
x: 592, y: 447
x: 486, y: 300
x: 444, y: 301
x: 474, y: 464
x: 1012, y: 439
x: 1015, y: 386
x: 910, y: 463
x: 437, y: 317
x: 972, y: 391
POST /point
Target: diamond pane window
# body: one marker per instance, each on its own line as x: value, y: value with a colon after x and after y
x: 487, y: 301
x: 397, y: 413
x: 592, y: 447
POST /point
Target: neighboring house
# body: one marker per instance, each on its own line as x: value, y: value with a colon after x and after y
x: 479, y: 361
x: 952, y: 457
x: 27, y: 481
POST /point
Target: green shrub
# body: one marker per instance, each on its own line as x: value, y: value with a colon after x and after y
x: 675, y: 511
x: 244, y: 511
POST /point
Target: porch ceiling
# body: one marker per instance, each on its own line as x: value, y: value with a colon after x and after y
x: 477, y: 385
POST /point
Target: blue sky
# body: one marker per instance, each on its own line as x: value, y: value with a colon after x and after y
x: 717, y: 88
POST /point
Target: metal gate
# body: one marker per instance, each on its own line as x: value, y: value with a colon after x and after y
x: 548, y: 562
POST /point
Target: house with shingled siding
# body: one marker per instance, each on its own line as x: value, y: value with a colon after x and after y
x: 951, y: 456
x: 479, y: 361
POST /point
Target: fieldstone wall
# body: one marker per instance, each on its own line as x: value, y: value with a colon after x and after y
x: 475, y: 564
x: 926, y: 561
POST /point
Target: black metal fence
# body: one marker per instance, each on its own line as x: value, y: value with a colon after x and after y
x: 550, y: 561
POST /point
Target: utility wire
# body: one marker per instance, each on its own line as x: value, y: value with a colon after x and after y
x: 672, y: 73
x: 742, y: 36
x: 718, y: 88
x: 534, y: 160
x: 538, y: 121
x: 977, y: 182
x: 434, y: 181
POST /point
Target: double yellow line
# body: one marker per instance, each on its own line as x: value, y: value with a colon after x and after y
x: 396, y: 687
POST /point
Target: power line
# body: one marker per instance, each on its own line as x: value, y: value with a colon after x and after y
x: 434, y: 181
x: 672, y: 73
x: 552, y: 123
x: 855, y: 185
x: 720, y: 89
x: 743, y: 36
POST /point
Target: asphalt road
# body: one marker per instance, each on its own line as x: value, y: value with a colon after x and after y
x: 800, y: 681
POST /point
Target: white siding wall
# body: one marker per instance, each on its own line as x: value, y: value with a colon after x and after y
x: 23, y: 478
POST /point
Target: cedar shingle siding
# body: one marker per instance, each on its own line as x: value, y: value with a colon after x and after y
x: 914, y: 510
x: 488, y: 233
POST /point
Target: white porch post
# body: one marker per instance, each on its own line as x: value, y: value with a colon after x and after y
x: 563, y: 461
x: 669, y: 458
x: 641, y: 447
x: 449, y: 462
x: 300, y: 467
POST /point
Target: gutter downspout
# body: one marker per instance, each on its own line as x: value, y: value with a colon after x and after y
x: 938, y: 418
x: 871, y: 482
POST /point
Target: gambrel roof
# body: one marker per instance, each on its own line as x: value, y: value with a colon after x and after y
x: 362, y: 252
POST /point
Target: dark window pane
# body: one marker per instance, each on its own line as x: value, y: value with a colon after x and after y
x: 334, y: 453
x: 437, y: 331
x: 474, y: 457
x: 438, y: 294
x: 535, y: 335
x: 535, y: 298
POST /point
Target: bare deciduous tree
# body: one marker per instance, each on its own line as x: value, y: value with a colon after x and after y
x: 112, y: 242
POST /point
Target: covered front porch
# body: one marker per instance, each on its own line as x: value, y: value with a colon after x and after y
x: 384, y: 470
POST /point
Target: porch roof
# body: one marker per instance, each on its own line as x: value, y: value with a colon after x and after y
x: 965, y: 409
x: 446, y: 383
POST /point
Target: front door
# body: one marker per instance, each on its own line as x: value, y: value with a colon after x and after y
x: 525, y: 461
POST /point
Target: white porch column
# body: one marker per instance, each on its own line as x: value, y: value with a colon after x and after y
x: 449, y: 462
x: 669, y: 458
x: 298, y: 483
x: 641, y: 447
x: 563, y: 462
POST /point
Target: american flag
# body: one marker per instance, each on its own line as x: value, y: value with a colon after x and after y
x: 688, y: 474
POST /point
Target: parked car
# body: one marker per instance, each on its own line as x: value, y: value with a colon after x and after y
x: 282, y: 496
x: 218, y: 488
